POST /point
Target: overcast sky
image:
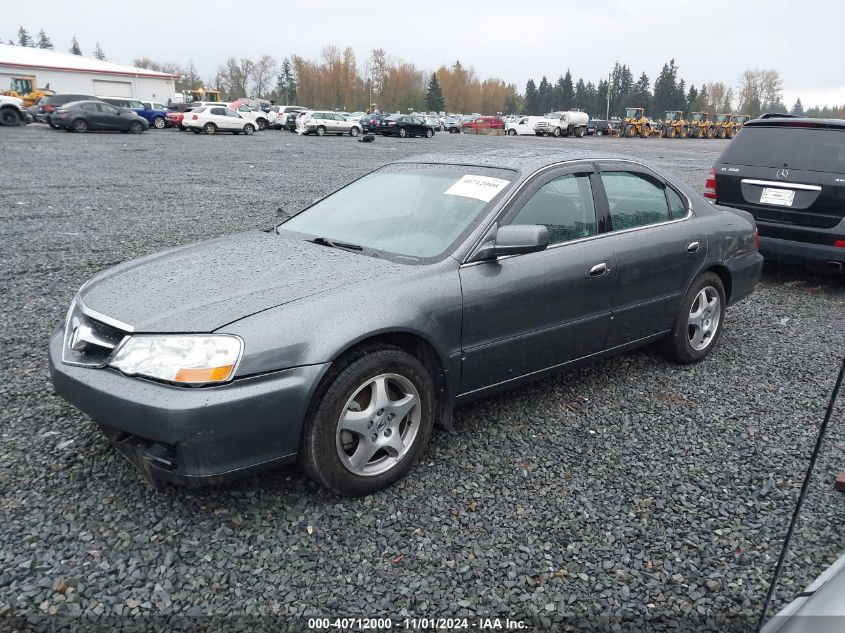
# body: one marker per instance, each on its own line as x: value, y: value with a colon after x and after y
x: 714, y: 40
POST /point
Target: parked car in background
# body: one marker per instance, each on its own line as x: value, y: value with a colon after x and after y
x: 154, y: 105
x: 601, y: 127
x: 156, y: 118
x: 321, y: 123
x: 45, y: 106
x: 97, y: 116
x: 521, y: 125
x: 484, y: 122
x: 370, y: 122
x: 261, y: 119
x: 452, y: 124
x: 215, y: 118
x: 12, y: 112
x: 434, y: 121
x: 283, y: 116
x: 256, y: 104
x: 174, y: 118
x: 405, y: 125
x: 789, y: 173
x: 179, y: 358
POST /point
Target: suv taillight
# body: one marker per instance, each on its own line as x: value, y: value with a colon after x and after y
x: 756, y: 239
x: 710, y: 186
x: 46, y: 107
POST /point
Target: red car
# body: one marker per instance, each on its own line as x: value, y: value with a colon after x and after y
x: 485, y: 122
x: 174, y: 118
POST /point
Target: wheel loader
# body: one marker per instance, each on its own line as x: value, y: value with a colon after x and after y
x: 24, y: 88
x: 635, y: 123
x: 737, y: 121
x: 674, y: 125
x: 701, y: 126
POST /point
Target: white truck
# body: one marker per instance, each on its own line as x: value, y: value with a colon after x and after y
x: 12, y: 111
x: 560, y: 123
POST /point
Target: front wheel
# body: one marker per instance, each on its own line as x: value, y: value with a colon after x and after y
x: 630, y: 131
x: 11, y: 117
x: 354, y: 131
x: 698, y: 323
x: 159, y: 123
x: 80, y: 126
x: 249, y: 128
x: 321, y: 131
x: 557, y: 132
x: 429, y: 133
x: 210, y: 128
x: 370, y: 422
x: 511, y: 132
x: 262, y: 124
x: 402, y: 133
x: 136, y: 127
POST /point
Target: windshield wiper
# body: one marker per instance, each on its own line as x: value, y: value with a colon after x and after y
x: 322, y: 241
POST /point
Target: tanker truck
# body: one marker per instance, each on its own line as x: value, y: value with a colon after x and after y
x: 559, y: 123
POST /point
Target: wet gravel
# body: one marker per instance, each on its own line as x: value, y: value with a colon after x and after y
x: 631, y: 490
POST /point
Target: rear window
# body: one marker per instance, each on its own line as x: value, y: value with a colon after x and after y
x: 799, y: 148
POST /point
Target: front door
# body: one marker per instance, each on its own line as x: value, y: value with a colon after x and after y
x: 530, y: 312
x: 659, y: 246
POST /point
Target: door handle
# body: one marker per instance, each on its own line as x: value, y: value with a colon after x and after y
x: 693, y: 247
x: 599, y: 270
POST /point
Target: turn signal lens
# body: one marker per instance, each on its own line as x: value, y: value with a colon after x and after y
x: 214, y: 374
x: 710, y: 186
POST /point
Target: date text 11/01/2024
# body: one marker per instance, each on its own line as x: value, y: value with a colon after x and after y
x: 415, y: 624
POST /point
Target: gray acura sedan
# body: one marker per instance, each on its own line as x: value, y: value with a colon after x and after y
x: 342, y: 335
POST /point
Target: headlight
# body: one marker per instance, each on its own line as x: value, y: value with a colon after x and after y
x: 189, y: 359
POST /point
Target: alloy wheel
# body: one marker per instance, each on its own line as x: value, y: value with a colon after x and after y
x: 705, y: 315
x: 378, y: 425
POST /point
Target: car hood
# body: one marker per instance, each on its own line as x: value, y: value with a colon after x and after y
x: 204, y: 286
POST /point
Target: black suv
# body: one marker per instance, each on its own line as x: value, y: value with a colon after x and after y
x: 790, y: 174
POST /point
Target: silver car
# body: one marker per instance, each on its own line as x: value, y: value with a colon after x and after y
x: 322, y: 123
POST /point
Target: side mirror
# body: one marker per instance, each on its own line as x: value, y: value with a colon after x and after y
x: 513, y: 240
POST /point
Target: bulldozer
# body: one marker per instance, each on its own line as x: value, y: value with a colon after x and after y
x: 674, y: 125
x: 24, y: 88
x: 635, y: 123
x: 701, y: 126
x: 723, y: 125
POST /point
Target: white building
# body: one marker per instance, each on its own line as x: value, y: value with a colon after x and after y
x: 63, y: 73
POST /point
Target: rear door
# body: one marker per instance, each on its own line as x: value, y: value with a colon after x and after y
x: 785, y: 175
x: 659, y: 246
x: 530, y: 312
x: 110, y: 118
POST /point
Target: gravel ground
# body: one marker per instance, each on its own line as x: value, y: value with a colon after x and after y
x: 632, y: 489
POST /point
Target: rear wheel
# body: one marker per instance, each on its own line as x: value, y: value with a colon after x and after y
x: 698, y: 323
x: 630, y: 131
x: 159, y: 123
x: 429, y: 133
x: 669, y: 132
x: 10, y: 116
x: 354, y: 131
x: 262, y: 124
x: 321, y: 131
x: 579, y: 132
x: 249, y: 128
x: 80, y: 126
x: 370, y: 422
x: 402, y: 132
x: 511, y: 132
x: 136, y: 127
x: 209, y: 128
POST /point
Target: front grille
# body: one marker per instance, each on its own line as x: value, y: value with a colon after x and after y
x: 89, y: 341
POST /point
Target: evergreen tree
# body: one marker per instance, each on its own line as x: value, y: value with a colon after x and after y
x: 668, y: 94
x: 798, y: 108
x: 600, y: 101
x: 567, y: 92
x: 641, y: 94
x: 74, y: 47
x: 44, y: 41
x: 98, y: 53
x: 545, y: 94
x: 532, y: 98
x: 287, y: 77
x: 581, y: 100
x: 23, y: 38
x: 434, y: 95
x: 692, y: 97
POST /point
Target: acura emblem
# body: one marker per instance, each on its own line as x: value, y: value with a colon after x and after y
x: 782, y: 174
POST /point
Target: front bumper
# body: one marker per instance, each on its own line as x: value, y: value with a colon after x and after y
x: 192, y: 436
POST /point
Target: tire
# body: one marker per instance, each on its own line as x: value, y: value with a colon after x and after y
x: 579, y: 132
x: 10, y: 116
x: 262, y: 124
x: 683, y: 132
x: 136, y: 127
x: 328, y: 450
x: 209, y: 128
x: 249, y: 129
x: 556, y: 133
x: 511, y: 132
x: 354, y: 131
x: 429, y: 133
x: 645, y: 131
x: 402, y: 132
x: 722, y: 133
x: 321, y: 131
x: 694, y: 133
x: 669, y: 132
x: 689, y: 343
x: 159, y: 123
x: 80, y: 126
x: 630, y: 131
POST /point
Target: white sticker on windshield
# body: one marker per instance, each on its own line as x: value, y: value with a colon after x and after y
x: 479, y: 187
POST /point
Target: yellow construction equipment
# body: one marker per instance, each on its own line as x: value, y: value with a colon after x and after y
x: 722, y: 125
x: 674, y: 125
x: 200, y: 94
x: 700, y: 125
x: 24, y: 88
x: 737, y: 121
x: 635, y: 123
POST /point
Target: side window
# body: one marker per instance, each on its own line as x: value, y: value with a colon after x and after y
x: 91, y: 107
x: 105, y: 107
x: 634, y: 199
x: 564, y: 206
x: 243, y: 108
x: 232, y: 113
x: 218, y: 111
x: 677, y: 207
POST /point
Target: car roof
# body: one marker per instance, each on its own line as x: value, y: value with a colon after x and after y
x: 797, y: 122
x: 527, y: 161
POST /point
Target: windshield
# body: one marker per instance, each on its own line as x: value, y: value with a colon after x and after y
x: 413, y: 210
x: 721, y: 118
